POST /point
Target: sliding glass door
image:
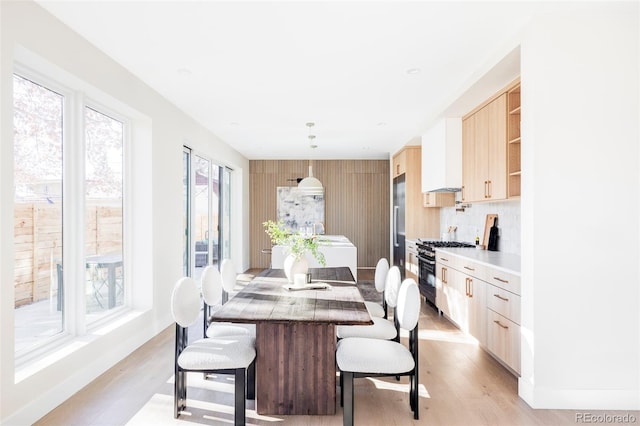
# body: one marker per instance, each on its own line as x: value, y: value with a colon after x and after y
x: 206, y: 213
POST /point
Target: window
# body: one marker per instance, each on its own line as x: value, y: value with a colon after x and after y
x: 104, y: 143
x: 38, y: 174
x: 62, y: 272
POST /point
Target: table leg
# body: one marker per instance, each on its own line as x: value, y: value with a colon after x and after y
x: 295, y: 368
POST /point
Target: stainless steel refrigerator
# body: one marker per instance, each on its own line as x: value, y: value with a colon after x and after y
x: 398, y: 222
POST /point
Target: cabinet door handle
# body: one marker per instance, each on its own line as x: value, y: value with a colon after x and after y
x: 486, y: 182
x: 444, y: 275
x: 489, y: 189
x: 503, y: 326
x: 469, y: 287
x: 397, y: 169
x: 501, y: 280
x: 444, y: 259
x: 462, y: 192
x: 501, y: 298
x: 468, y: 268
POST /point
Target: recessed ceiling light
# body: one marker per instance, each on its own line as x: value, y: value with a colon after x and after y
x: 235, y: 123
x: 414, y: 71
x: 381, y: 124
x: 184, y: 72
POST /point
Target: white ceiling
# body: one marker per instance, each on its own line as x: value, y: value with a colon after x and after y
x: 255, y: 72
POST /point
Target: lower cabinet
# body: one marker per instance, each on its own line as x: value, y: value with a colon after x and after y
x: 461, y: 298
x: 503, y: 339
x: 476, y: 306
x: 411, y: 260
x: 480, y: 301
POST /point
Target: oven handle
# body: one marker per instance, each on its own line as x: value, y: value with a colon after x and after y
x: 427, y: 261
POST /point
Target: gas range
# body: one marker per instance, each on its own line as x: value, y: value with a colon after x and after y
x: 426, y: 247
x: 427, y: 265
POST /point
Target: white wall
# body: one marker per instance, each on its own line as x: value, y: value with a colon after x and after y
x: 26, y: 24
x: 580, y: 212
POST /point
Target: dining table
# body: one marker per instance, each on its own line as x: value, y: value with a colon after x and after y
x: 296, y: 336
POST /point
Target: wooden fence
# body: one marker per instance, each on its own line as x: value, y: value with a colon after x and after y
x: 38, y: 245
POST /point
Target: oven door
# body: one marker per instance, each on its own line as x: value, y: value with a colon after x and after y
x: 427, y: 278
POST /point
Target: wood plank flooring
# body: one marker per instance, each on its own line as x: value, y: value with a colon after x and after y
x: 460, y: 384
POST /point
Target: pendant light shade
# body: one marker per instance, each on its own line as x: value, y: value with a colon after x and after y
x: 310, y: 185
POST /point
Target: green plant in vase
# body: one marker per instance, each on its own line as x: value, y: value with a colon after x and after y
x: 297, y: 245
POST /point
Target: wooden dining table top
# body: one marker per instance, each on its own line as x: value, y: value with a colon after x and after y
x: 265, y: 299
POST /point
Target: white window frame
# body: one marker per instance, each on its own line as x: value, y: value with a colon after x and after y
x: 76, y: 98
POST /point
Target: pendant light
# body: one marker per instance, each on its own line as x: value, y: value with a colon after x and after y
x: 310, y: 185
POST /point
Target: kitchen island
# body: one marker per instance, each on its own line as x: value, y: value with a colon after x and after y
x: 337, y: 250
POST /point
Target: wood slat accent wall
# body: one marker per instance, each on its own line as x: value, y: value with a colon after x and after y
x: 356, y: 203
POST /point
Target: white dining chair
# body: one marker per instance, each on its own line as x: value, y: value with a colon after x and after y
x: 362, y: 357
x: 229, y: 281
x: 381, y: 328
x: 211, y: 286
x: 376, y: 309
x: 220, y: 355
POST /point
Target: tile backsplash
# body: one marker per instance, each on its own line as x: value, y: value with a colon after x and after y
x: 473, y: 218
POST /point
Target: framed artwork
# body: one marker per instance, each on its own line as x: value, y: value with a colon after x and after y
x: 298, y: 210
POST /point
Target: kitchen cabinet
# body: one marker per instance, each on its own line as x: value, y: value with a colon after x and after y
x: 503, y: 340
x: 419, y: 222
x: 438, y: 199
x: 400, y: 163
x: 484, y: 152
x: 513, y: 137
x: 460, y: 295
x: 482, y: 299
x: 503, y: 317
x: 411, y: 260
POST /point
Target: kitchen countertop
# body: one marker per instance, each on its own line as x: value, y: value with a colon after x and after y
x: 507, y: 262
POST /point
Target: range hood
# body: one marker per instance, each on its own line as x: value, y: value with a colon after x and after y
x: 442, y: 156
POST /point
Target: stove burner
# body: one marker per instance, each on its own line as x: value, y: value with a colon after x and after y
x: 438, y: 243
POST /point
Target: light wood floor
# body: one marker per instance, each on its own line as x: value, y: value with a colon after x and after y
x: 460, y: 384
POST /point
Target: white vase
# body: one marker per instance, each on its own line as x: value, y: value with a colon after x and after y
x: 293, y: 266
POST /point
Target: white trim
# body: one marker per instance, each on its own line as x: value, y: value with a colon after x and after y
x: 77, y: 95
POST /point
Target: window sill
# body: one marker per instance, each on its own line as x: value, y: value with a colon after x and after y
x: 48, y: 355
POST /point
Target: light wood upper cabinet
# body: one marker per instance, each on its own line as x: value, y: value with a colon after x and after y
x: 491, y: 163
x: 419, y: 222
x: 497, y: 149
x: 513, y: 137
x: 438, y: 199
x: 484, y: 152
x: 399, y: 163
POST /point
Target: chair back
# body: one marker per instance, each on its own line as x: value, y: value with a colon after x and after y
x: 211, y: 285
x: 408, y: 310
x: 228, y: 272
x: 382, y: 270
x: 392, y: 286
x: 185, y: 302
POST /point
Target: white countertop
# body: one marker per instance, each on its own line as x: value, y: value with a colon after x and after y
x: 337, y: 250
x: 505, y: 261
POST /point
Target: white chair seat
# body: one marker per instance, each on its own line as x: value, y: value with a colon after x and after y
x: 360, y: 355
x: 375, y: 309
x: 218, y: 354
x: 226, y: 329
x: 380, y: 329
